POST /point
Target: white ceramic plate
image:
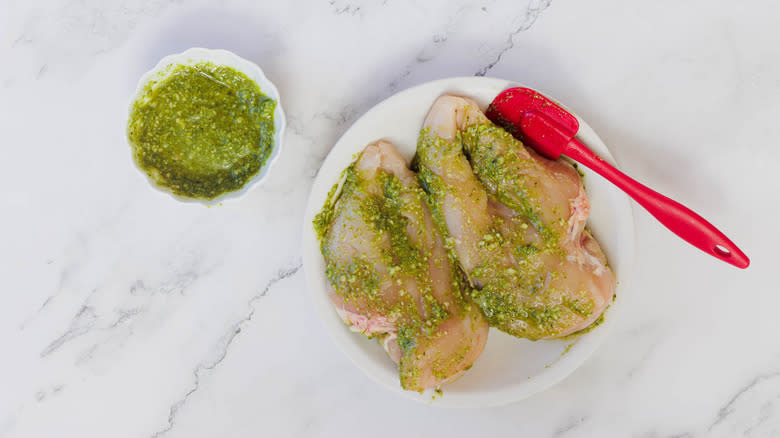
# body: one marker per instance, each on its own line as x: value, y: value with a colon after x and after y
x: 510, y: 369
x: 218, y: 57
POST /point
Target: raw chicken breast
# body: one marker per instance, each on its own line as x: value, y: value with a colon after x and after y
x: 391, y: 276
x: 516, y: 222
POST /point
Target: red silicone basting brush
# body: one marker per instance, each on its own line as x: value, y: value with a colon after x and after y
x: 551, y: 130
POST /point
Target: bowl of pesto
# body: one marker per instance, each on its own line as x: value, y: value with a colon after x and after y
x: 205, y: 125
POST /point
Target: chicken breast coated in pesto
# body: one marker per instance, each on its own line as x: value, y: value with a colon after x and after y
x: 516, y: 222
x: 390, y: 275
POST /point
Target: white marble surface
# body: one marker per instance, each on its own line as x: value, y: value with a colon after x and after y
x: 127, y: 314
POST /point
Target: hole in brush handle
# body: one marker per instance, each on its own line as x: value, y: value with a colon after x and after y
x: 722, y: 251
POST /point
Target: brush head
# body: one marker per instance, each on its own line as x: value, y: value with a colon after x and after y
x: 549, y: 127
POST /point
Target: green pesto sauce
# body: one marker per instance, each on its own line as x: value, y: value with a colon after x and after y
x: 496, y: 168
x: 563, y: 353
x: 387, y: 207
x: 593, y: 325
x: 324, y: 218
x: 579, y: 171
x: 202, y: 130
x: 506, y: 294
x: 385, y: 214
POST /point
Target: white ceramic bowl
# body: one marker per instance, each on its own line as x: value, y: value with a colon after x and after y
x: 510, y: 369
x: 254, y: 72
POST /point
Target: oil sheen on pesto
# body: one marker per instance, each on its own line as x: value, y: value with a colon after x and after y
x: 202, y: 130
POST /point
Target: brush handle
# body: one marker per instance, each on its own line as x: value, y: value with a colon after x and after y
x: 681, y: 220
